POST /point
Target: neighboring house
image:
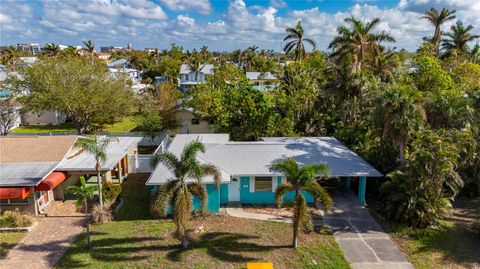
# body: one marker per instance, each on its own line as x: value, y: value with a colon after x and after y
x: 47, y: 117
x: 120, y: 63
x: 262, y: 80
x: 22, y: 62
x: 189, y: 79
x: 102, y: 56
x: 244, y: 166
x: 189, y: 124
x: 37, y: 169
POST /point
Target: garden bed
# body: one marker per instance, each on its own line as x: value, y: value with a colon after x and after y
x: 285, y: 212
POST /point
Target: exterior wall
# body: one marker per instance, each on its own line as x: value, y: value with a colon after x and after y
x: 264, y: 197
x: 44, y: 118
x: 59, y: 191
x: 223, y: 194
x: 186, y: 127
x: 213, y: 202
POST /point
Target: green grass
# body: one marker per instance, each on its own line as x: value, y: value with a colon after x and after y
x: 8, y: 240
x: 450, y: 245
x: 134, y: 240
x: 126, y: 125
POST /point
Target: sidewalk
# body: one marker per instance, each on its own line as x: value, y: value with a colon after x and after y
x: 235, y: 210
x: 48, y: 241
x: 363, y: 241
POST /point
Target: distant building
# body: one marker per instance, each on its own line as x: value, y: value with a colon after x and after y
x: 262, y: 80
x: 189, y: 79
x: 33, y: 48
x: 190, y: 124
x: 102, y: 55
x: 62, y: 47
x: 111, y: 49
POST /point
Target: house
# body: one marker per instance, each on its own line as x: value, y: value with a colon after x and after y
x: 120, y: 63
x: 244, y: 166
x: 37, y: 169
x: 102, y: 55
x: 189, y: 78
x: 190, y: 124
x: 261, y: 80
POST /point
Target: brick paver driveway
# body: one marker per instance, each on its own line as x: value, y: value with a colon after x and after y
x: 48, y: 241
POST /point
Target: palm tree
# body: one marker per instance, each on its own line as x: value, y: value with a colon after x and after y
x: 8, y: 56
x: 98, y: 148
x: 195, y: 65
x: 52, y: 49
x: 384, y: 64
x: 437, y: 19
x: 90, y: 46
x: 359, y: 41
x: 301, y: 179
x: 399, y: 112
x: 458, y: 38
x: 187, y: 182
x: 296, y: 41
x: 83, y: 193
x: 474, y: 55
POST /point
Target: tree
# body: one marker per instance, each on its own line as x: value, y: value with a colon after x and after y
x: 150, y: 124
x: 457, y: 40
x: 296, y: 40
x: 195, y: 65
x: 90, y: 45
x: 180, y: 190
x: 163, y: 101
x: 83, y: 90
x: 399, y: 112
x: 359, y: 41
x: 437, y: 19
x: 9, y: 115
x: 70, y: 51
x: 51, y: 49
x: 429, y: 76
x: 98, y: 148
x: 301, y: 179
x: 8, y: 56
x: 83, y: 193
x: 384, y: 64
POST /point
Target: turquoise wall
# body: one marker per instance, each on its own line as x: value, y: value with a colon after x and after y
x: 223, y: 194
x: 248, y: 197
x: 213, y: 202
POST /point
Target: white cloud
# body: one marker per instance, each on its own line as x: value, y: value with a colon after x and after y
x: 278, y: 3
x: 201, y: 6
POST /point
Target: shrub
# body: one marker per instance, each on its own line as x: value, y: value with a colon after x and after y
x: 110, y: 191
x: 101, y: 214
x: 14, y: 219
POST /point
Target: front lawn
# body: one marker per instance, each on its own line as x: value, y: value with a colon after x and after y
x: 450, y: 245
x: 8, y: 240
x: 134, y: 240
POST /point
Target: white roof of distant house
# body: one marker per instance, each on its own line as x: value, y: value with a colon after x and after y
x: 255, y: 158
x: 85, y: 161
x: 260, y: 75
x: 207, y: 69
x: 117, y: 62
x: 28, y: 60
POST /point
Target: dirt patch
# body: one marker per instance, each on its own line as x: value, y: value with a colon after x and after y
x: 285, y: 212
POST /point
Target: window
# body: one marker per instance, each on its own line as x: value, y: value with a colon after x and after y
x: 14, y: 201
x: 263, y: 184
x: 195, y: 121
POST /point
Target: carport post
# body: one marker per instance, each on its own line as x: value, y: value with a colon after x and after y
x: 34, y: 201
x: 362, y: 185
x: 347, y: 182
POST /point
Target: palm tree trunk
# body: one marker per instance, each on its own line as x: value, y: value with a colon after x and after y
x: 184, y: 241
x: 296, y: 222
x: 99, y: 179
x: 401, y: 148
x: 89, y: 244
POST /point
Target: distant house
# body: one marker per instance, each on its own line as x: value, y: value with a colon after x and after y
x: 120, y: 63
x: 102, y: 55
x: 190, y: 124
x: 262, y: 80
x: 189, y: 78
x: 38, y: 169
x: 22, y: 62
x: 245, y: 166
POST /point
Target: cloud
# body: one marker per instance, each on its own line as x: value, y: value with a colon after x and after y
x: 200, y: 6
x: 278, y: 3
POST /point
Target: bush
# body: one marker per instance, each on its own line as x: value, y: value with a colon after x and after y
x: 110, y: 191
x: 101, y: 214
x: 15, y: 219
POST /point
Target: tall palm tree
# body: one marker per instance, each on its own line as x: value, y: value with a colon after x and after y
x: 187, y: 182
x: 296, y: 40
x: 83, y: 193
x: 457, y: 39
x: 384, y: 64
x: 195, y: 65
x: 52, y: 49
x: 90, y: 45
x: 301, y: 179
x: 399, y: 112
x: 155, y: 54
x: 437, y: 18
x: 98, y: 148
x: 474, y: 55
x: 359, y: 41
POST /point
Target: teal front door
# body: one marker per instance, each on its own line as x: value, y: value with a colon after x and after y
x: 234, y: 191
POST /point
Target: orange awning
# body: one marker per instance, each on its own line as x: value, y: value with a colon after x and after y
x: 51, y: 181
x: 14, y: 193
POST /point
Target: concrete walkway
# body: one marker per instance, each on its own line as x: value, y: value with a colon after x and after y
x: 363, y: 241
x: 235, y: 210
x: 48, y: 241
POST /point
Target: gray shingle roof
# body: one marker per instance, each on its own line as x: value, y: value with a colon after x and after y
x: 24, y: 174
x: 207, y: 69
x: 255, y: 158
x: 85, y: 161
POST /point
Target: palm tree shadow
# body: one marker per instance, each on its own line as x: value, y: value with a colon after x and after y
x: 228, y: 247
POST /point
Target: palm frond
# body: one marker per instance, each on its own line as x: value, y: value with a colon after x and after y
x: 199, y: 191
x: 281, y: 191
x: 320, y: 195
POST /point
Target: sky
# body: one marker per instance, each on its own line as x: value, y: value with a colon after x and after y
x: 219, y: 24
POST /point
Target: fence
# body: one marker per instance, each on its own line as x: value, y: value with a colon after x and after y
x: 143, y: 161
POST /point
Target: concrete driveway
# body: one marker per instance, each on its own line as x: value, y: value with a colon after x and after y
x: 363, y: 241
